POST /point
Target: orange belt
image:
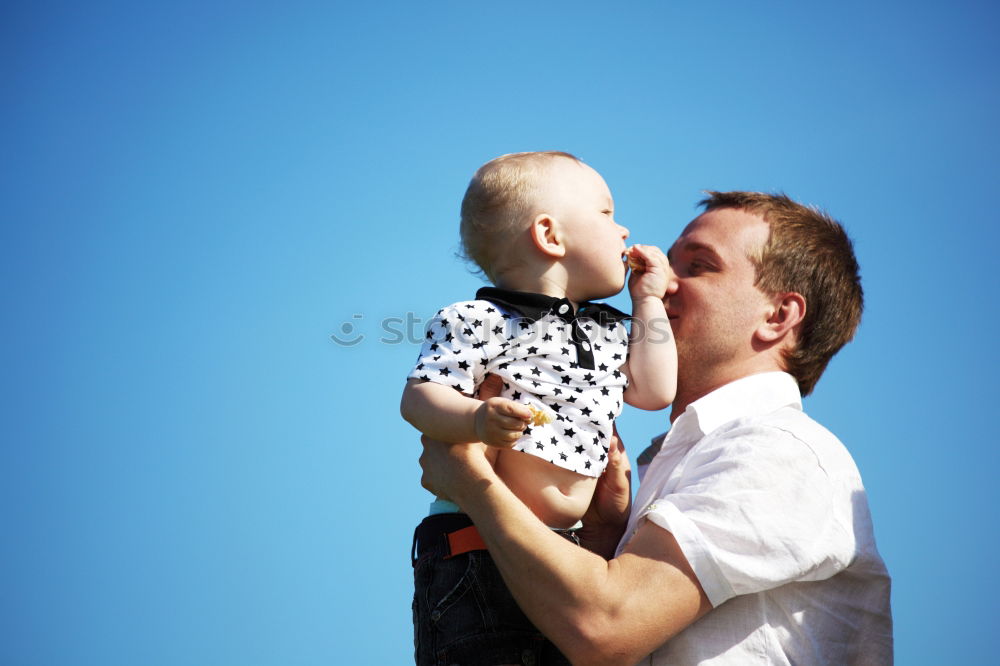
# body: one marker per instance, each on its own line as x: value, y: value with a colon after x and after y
x: 464, y: 540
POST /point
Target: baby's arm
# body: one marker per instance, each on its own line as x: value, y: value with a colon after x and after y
x: 442, y: 413
x: 652, y: 355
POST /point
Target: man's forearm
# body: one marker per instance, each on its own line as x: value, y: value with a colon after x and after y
x: 552, y: 580
x: 596, y: 611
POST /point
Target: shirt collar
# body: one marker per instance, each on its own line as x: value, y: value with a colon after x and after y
x: 748, y: 396
x: 535, y: 306
x: 753, y: 395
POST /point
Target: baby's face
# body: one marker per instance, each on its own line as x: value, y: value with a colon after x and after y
x: 580, y: 200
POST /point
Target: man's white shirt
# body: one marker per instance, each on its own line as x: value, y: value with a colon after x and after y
x: 769, y: 510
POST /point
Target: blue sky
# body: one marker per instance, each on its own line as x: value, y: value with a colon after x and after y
x: 197, y: 196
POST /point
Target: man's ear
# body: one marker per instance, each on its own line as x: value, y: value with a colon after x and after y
x: 786, y: 313
x: 547, y: 235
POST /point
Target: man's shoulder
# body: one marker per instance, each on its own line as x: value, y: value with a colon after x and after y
x: 789, y: 427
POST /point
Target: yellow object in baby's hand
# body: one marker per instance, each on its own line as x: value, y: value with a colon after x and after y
x: 634, y: 262
x: 540, y: 416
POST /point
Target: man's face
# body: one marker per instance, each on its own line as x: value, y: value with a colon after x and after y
x: 716, y: 308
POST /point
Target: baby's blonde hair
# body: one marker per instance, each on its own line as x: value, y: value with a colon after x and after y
x: 499, y: 203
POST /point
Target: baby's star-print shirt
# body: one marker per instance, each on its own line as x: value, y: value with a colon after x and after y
x: 567, y: 364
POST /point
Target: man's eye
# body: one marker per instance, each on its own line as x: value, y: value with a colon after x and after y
x: 695, y: 267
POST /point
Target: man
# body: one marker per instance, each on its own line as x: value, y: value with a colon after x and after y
x: 750, y: 540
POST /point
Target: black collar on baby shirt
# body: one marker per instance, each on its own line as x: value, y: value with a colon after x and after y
x: 535, y: 306
x: 532, y: 307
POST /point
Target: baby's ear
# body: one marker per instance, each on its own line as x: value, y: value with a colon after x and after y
x: 547, y: 235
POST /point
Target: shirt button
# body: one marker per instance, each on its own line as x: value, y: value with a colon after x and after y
x: 563, y: 308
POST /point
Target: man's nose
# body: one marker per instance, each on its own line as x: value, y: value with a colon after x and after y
x: 672, y: 288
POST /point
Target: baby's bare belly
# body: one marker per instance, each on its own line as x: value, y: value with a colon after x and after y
x: 559, y: 497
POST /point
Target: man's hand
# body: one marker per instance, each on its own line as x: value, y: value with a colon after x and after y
x: 448, y: 469
x: 606, y: 518
x: 501, y: 422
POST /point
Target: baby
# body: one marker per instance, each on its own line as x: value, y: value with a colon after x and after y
x: 541, y: 227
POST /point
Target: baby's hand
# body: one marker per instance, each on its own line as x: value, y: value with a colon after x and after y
x: 651, y: 272
x: 500, y: 422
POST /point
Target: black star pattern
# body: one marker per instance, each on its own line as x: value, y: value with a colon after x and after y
x: 536, y: 363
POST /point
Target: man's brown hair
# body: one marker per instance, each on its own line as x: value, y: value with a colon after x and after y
x: 807, y: 252
x: 499, y: 204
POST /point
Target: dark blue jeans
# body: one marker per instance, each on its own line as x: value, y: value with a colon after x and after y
x: 462, y: 611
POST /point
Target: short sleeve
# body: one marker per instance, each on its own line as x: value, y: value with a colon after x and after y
x: 754, y: 509
x: 457, y: 347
